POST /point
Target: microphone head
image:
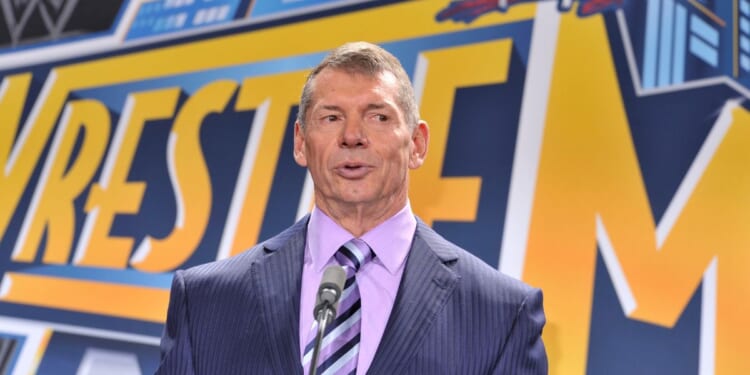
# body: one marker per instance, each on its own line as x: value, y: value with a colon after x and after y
x: 331, y: 287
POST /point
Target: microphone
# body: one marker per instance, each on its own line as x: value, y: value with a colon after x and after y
x: 326, y: 304
x: 329, y: 291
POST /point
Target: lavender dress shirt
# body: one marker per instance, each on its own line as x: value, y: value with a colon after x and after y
x: 378, y: 280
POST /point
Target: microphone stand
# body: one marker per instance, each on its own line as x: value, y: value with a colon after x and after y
x: 329, y: 293
x: 325, y: 315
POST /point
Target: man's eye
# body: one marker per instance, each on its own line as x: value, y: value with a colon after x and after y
x: 330, y: 118
x: 381, y: 118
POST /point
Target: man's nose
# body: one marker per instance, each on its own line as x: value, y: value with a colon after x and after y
x: 353, y: 134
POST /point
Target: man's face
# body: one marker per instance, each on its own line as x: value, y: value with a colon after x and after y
x: 356, y: 142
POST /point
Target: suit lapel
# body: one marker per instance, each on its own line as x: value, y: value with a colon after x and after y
x: 277, y: 280
x: 425, y: 288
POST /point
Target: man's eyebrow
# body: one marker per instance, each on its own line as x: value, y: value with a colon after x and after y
x: 371, y: 106
x: 376, y: 106
x: 331, y: 107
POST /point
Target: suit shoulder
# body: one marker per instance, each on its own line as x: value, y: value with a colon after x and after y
x: 239, y: 264
x: 476, y: 276
x: 223, y: 267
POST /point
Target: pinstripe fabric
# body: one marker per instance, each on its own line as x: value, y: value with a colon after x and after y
x: 460, y: 316
x: 453, y: 315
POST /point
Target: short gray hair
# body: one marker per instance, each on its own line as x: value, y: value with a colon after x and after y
x: 367, y: 59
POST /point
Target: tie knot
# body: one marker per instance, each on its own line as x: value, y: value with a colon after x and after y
x: 354, y: 254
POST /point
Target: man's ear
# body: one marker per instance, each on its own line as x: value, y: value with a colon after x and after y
x: 420, y: 138
x: 299, y: 145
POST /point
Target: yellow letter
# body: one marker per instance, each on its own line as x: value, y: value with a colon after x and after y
x: 432, y: 196
x: 13, y: 92
x: 190, y: 180
x: 272, y: 97
x: 52, y: 204
x: 590, y: 192
x: 114, y: 194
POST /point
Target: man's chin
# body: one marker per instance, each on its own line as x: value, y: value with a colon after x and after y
x: 356, y: 199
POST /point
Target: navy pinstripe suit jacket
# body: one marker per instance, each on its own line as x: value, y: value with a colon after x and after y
x: 453, y: 315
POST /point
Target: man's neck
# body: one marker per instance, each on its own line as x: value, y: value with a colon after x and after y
x: 360, y: 218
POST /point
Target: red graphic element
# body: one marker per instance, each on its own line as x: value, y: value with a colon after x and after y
x: 589, y: 7
x: 469, y: 10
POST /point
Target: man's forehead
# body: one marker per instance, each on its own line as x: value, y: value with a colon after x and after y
x: 354, y: 73
x: 328, y: 90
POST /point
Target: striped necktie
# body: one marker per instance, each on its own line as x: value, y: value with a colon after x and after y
x: 339, y: 350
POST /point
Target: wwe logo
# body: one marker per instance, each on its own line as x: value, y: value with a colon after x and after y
x: 54, y: 14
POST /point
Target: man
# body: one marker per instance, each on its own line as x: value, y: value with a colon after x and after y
x: 419, y: 304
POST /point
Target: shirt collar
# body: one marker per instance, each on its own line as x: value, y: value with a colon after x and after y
x: 390, y: 240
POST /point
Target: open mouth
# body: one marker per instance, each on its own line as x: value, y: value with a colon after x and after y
x: 353, y: 170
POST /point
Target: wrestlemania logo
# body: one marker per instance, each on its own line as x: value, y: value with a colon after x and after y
x: 595, y: 149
